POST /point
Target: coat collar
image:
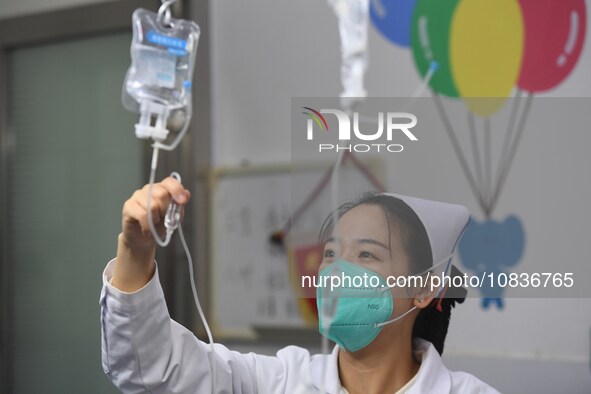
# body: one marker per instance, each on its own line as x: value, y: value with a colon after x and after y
x: 332, y: 382
x: 433, y: 377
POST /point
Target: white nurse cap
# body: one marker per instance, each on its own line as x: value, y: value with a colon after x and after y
x: 444, y: 223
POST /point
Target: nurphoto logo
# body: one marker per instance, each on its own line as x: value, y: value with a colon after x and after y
x: 389, y: 123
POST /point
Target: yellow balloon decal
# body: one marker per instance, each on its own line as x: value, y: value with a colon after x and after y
x: 486, y: 48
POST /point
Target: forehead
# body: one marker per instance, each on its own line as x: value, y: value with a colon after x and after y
x: 369, y: 221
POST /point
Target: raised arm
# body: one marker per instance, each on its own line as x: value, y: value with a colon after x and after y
x: 145, y: 351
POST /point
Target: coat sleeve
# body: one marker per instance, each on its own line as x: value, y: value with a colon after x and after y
x: 144, y: 350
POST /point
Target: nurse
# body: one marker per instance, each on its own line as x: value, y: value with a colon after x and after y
x: 393, y: 348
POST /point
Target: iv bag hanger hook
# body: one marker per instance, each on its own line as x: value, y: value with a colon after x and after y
x: 164, y: 14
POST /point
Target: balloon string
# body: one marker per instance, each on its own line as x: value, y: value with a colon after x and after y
x: 433, y: 67
x: 456, y: 146
x: 487, y: 163
x: 322, y: 185
x: 309, y: 200
x: 475, y: 151
x: 509, y: 136
x: 367, y: 173
x: 514, y: 146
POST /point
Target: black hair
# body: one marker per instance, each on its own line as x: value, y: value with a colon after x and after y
x: 432, y: 322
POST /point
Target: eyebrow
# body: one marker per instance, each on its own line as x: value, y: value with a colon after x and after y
x: 364, y: 241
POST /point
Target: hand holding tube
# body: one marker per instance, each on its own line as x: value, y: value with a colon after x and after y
x: 136, y: 246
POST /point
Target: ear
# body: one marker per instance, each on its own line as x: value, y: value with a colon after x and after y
x: 422, y: 301
x: 423, y: 297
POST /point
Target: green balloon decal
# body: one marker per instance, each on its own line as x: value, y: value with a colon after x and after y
x: 430, y: 34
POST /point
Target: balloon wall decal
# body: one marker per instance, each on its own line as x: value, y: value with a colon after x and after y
x: 554, y: 36
x: 392, y: 18
x: 479, y: 44
x: 485, y: 52
x: 431, y: 25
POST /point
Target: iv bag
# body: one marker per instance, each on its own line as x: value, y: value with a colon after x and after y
x: 353, y: 16
x: 159, y: 78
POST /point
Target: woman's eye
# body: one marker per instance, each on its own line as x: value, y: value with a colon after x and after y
x: 328, y: 253
x: 366, y: 255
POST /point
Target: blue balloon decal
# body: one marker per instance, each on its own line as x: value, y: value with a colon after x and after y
x: 393, y: 19
x: 491, y: 247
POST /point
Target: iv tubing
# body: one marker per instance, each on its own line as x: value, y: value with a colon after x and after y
x: 199, y: 309
x: 164, y: 243
x: 181, y: 134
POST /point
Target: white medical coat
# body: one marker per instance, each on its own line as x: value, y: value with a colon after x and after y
x: 145, y: 351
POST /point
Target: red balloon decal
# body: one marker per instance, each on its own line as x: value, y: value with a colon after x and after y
x: 554, y: 36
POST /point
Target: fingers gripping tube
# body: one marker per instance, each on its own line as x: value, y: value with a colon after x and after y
x: 173, y: 213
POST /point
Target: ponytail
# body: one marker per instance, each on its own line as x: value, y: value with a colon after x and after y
x: 433, y: 321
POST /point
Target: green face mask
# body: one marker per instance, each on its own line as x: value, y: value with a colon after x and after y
x: 351, y: 313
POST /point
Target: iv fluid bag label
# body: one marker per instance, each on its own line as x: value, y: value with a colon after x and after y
x: 157, y: 67
x: 176, y: 46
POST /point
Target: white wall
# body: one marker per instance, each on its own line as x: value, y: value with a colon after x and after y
x: 265, y: 52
